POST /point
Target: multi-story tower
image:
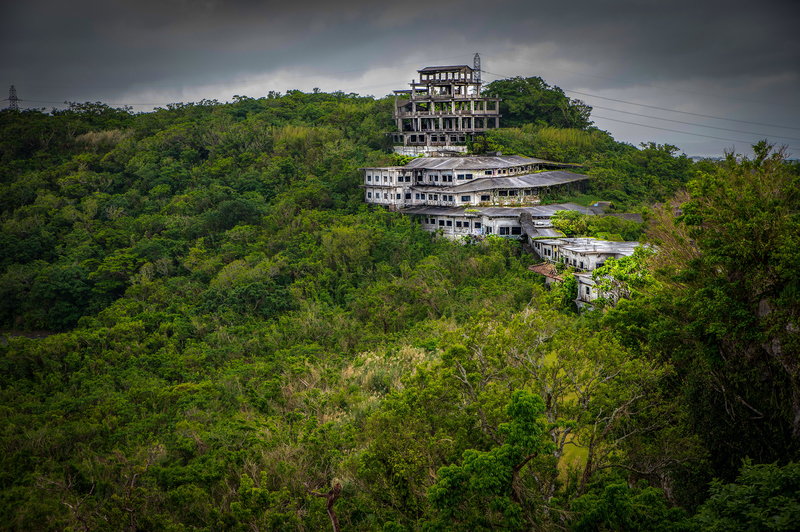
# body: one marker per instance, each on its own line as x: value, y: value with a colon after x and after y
x: 444, y: 109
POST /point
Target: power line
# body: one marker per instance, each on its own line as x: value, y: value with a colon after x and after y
x: 682, y: 112
x: 666, y: 109
x: 674, y: 130
x: 690, y: 123
x: 666, y: 119
x: 644, y: 84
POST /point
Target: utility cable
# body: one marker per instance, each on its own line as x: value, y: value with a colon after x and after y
x: 643, y: 84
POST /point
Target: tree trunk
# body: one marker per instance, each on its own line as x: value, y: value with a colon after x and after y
x: 330, y: 497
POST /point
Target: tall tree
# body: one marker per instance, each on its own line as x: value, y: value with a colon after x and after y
x: 532, y: 101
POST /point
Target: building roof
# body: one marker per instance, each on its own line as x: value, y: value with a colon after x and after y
x: 472, y: 163
x: 544, y: 232
x: 439, y: 68
x: 493, y: 212
x: 542, y: 179
x: 585, y: 245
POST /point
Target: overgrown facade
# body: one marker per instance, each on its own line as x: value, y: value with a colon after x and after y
x: 444, y: 110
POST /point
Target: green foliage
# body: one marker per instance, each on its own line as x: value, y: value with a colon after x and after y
x: 622, y: 509
x: 480, y: 493
x: 235, y: 325
x: 571, y: 145
x: 764, y: 497
x: 651, y: 174
x: 532, y: 101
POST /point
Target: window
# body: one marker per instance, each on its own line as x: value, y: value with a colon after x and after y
x: 408, y: 179
x: 408, y: 195
x: 512, y: 192
x: 450, y: 178
x: 449, y: 198
x: 433, y: 221
x: 581, y: 265
x: 516, y: 230
x: 369, y: 178
x: 436, y: 178
x: 430, y: 196
x: 488, y: 172
x: 449, y: 223
x: 416, y: 196
x: 369, y: 194
x: 588, y: 291
x: 460, y: 177
x: 477, y: 225
x: 466, y: 198
x: 458, y: 224
x: 469, y: 176
x: 426, y: 220
x: 504, y: 193
x: 397, y: 196
x: 441, y: 223
x: 466, y: 224
x: 485, y: 198
x: 527, y: 192
x: 503, y: 230
x: 385, y: 196
x: 436, y: 197
x: 489, y: 229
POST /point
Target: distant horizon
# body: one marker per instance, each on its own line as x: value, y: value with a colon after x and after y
x: 65, y: 105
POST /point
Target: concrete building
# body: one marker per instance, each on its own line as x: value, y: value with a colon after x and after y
x: 454, y: 222
x: 583, y: 254
x: 491, y: 181
x: 587, y: 291
x: 444, y: 109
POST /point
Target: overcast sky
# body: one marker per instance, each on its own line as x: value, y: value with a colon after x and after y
x: 735, y: 63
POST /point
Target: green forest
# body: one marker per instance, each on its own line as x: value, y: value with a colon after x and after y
x: 206, y: 328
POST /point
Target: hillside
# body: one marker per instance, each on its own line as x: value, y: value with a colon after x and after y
x: 232, y: 326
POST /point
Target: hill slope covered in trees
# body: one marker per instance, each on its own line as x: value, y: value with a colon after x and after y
x: 232, y: 327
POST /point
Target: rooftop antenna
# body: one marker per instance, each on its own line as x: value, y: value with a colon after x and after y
x: 12, y: 99
x: 476, y: 66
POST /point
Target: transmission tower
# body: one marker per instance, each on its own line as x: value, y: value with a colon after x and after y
x: 476, y: 66
x: 12, y: 99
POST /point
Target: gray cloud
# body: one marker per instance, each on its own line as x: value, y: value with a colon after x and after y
x: 92, y: 50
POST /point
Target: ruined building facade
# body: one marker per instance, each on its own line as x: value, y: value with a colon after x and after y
x: 443, y: 110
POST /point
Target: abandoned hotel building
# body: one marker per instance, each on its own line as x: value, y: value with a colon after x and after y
x: 451, y: 192
x: 459, y: 195
x: 445, y: 108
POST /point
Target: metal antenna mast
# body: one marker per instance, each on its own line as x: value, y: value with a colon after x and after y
x: 476, y: 66
x: 12, y: 99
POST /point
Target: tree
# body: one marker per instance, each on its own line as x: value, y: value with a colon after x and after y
x: 725, y: 311
x: 764, y: 497
x: 484, y: 492
x: 532, y: 101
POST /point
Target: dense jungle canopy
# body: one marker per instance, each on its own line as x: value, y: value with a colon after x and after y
x: 227, y: 327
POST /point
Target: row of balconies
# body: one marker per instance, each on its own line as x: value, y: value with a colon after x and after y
x: 444, y: 114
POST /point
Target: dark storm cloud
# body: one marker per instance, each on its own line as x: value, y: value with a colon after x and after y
x: 89, y: 50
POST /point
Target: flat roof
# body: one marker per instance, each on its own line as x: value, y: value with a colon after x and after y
x: 473, y: 162
x: 449, y: 67
x: 592, y: 245
x: 493, y: 212
x: 542, y: 179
